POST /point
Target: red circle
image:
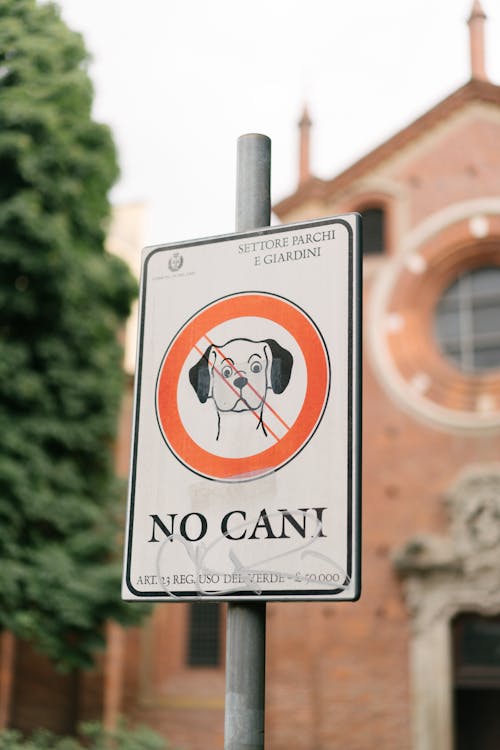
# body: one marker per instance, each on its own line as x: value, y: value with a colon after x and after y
x: 246, y: 304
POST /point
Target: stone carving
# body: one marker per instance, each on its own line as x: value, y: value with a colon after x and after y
x: 448, y: 574
x: 474, y: 505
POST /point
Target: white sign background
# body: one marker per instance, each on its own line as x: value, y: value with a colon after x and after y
x: 290, y: 531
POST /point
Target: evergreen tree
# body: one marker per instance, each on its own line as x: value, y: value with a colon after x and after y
x: 63, y: 300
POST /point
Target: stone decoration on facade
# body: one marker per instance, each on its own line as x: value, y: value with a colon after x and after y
x: 461, y: 570
x: 445, y: 576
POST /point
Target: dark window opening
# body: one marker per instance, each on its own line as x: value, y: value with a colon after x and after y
x: 373, y: 231
x: 476, y: 650
x: 204, y: 646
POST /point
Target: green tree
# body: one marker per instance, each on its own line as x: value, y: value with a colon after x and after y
x: 63, y: 300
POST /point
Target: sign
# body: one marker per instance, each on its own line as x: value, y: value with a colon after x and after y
x: 244, y: 476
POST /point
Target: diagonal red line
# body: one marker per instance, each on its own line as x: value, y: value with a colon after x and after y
x: 251, y: 387
x: 237, y: 393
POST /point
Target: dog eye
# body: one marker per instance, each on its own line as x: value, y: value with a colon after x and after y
x: 256, y: 367
x: 227, y: 371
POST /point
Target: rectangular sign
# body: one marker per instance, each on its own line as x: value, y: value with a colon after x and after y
x: 245, y: 470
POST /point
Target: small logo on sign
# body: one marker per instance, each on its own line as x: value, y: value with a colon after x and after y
x: 175, y: 262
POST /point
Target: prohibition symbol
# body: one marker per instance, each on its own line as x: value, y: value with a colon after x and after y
x: 242, y: 387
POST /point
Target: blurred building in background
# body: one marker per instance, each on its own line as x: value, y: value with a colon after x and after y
x: 415, y: 664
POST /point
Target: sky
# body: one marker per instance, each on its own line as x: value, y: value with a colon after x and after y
x: 179, y: 81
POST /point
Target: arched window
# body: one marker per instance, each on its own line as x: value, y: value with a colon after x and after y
x: 373, y: 230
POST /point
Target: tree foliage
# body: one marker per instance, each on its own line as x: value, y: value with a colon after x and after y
x: 63, y: 300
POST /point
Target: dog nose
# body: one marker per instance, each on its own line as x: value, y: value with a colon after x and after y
x: 240, y: 382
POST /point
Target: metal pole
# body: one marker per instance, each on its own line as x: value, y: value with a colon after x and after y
x: 253, y: 182
x: 246, y: 622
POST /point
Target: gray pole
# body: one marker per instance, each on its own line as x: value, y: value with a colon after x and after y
x: 246, y: 622
x: 253, y: 182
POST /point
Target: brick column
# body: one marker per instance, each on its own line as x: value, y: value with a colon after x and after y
x: 113, y: 675
x: 7, y: 649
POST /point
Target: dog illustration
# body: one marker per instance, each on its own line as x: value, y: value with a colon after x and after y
x: 237, y: 376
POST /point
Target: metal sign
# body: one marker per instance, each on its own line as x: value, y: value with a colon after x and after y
x: 245, y: 470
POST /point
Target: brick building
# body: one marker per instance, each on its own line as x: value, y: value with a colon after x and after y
x: 414, y: 665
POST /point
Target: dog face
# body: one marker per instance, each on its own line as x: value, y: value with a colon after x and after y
x: 238, y: 374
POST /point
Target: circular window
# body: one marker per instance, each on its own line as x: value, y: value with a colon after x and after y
x: 434, y: 325
x: 467, y: 320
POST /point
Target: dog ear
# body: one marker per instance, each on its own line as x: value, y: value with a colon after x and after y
x: 199, y: 376
x: 281, y: 367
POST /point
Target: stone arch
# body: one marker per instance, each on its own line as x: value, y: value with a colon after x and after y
x: 445, y: 576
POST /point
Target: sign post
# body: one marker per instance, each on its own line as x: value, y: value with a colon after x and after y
x: 245, y: 469
x: 246, y: 622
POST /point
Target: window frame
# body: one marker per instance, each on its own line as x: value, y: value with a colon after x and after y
x: 400, y: 323
x: 463, y: 346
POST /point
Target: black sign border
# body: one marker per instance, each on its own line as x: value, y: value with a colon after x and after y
x: 354, y: 410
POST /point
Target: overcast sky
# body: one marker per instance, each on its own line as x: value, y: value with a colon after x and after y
x: 179, y: 80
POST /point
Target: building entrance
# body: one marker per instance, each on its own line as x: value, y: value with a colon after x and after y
x: 476, y: 661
